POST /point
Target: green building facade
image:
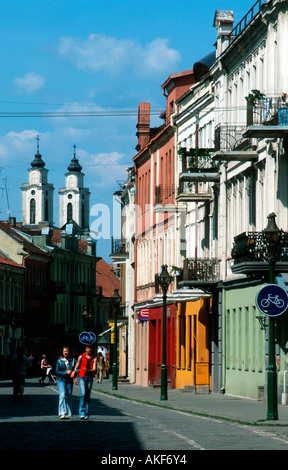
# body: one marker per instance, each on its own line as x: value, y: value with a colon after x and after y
x: 245, y: 336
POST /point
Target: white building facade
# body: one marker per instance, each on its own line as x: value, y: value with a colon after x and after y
x: 234, y: 113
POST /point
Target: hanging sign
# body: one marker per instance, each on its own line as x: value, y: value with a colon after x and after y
x: 143, y: 314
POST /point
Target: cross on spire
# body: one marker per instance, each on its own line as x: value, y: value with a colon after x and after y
x: 38, y: 140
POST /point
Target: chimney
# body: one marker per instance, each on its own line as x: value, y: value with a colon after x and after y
x: 46, y: 234
x: 143, y: 125
x: 91, y: 247
x: 223, y: 22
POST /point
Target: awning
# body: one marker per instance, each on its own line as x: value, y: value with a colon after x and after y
x: 109, y: 329
x: 104, y: 340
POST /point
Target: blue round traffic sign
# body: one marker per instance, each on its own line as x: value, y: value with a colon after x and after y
x: 272, y: 300
x: 87, y: 337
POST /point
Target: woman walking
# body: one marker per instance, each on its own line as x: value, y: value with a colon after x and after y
x: 87, y: 367
x: 64, y: 370
x: 44, y: 368
x: 100, y: 364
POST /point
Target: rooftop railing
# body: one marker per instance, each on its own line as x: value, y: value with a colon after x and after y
x: 239, y: 28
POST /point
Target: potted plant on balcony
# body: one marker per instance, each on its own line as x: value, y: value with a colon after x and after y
x: 176, y: 271
x: 200, y: 160
x: 254, y: 98
x: 283, y: 111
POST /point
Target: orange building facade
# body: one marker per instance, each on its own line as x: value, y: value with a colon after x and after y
x: 192, y: 344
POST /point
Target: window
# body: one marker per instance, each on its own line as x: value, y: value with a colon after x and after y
x: 32, y: 211
x: 83, y: 216
x: 69, y: 212
x: 46, y: 217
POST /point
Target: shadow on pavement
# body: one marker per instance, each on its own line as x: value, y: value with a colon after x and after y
x: 34, y: 424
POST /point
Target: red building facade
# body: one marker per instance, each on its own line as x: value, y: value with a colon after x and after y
x: 155, y: 211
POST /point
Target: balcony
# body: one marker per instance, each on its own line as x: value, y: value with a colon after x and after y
x: 79, y: 289
x: 119, y: 250
x: 201, y: 272
x: 201, y: 269
x: 164, y: 198
x: 230, y: 145
x: 267, y: 118
x: 11, y: 317
x: 198, y: 170
x: 36, y: 292
x: 250, y: 254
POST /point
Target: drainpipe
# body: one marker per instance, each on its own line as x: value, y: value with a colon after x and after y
x: 196, y: 188
x: 284, y: 394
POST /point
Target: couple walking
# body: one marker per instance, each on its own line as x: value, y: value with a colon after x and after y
x: 66, y: 369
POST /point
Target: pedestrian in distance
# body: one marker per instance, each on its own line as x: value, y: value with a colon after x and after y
x: 32, y: 365
x: 100, y: 366
x: 45, y: 366
x: 18, y: 370
x: 64, y: 369
x: 86, y: 365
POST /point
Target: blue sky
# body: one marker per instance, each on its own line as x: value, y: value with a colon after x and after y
x: 99, y: 59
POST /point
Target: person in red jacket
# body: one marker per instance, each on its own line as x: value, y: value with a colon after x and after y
x: 86, y: 368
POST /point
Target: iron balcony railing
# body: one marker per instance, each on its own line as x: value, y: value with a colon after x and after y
x: 197, y: 160
x: 201, y: 269
x: 271, y: 111
x: 162, y: 192
x: 118, y: 246
x: 252, y: 246
x: 230, y: 137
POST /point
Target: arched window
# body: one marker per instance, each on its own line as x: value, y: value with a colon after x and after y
x: 69, y: 211
x: 46, y: 217
x: 32, y: 211
x: 83, y: 216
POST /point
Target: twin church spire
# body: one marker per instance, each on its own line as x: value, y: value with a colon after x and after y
x: 37, y: 196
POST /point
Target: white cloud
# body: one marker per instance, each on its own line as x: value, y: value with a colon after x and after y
x: 27, y: 134
x: 30, y: 82
x: 21, y: 146
x: 111, y: 55
x: 104, y: 168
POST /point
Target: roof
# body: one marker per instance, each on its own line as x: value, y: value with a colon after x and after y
x: 201, y: 67
x: 105, y: 278
x: 9, y: 262
x: 174, y: 76
x: 21, y: 237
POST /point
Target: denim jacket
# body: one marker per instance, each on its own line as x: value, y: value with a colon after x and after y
x: 61, y: 370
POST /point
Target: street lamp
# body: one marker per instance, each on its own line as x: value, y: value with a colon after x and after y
x: 271, y: 235
x: 164, y: 281
x: 87, y: 318
x: 116, y: 304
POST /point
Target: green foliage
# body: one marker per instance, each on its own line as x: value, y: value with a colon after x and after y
x: 255, y: 96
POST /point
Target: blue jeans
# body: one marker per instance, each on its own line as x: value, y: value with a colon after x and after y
x: 85, y: 385
x: 65, y: 396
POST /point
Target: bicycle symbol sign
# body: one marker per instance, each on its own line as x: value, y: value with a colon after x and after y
x: 272, y: 300
x: 87, y: 337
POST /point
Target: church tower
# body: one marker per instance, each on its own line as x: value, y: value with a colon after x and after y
x: 74, y: 199
x: 37, y: 194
